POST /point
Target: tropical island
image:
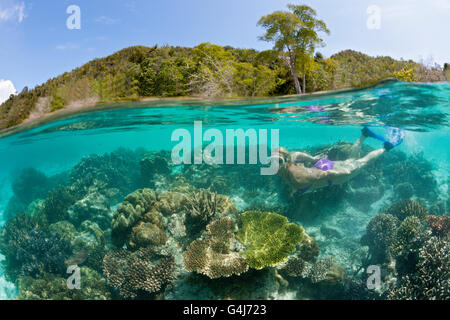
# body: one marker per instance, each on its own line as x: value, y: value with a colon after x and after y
x: 294, y: 66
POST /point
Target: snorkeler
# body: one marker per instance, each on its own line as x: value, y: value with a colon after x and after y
x: 306, y: 173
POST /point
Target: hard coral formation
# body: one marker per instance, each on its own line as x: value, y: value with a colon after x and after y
x: 440, y: 225
x: 379, y: 236
x: 203, y: 206
x: 431, y: 281
x: 406, y: 208
x: 215, y: 255
x: 269, y: 238
x: 57, y: 203
x: 41, y: 252
x: 137, y: 273
x: 118, y: 169
x: 54, y: 287
x: 130, y: 212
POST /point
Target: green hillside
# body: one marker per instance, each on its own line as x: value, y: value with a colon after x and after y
x: 204, y: 71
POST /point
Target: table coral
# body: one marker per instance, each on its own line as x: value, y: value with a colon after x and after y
x: 213, y: 255
x: 269, y: 238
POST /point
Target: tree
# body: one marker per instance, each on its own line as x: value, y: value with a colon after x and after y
x: 282, y: 28
x: 296, y: 32
x: 308, y: 38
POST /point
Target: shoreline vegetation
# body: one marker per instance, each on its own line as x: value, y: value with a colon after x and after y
x: 165, y: 74
x: 87, y: 106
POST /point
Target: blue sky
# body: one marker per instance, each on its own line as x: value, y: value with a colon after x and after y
x: 36, y: 44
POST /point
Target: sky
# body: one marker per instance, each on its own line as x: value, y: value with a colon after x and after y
x: 35, y: 43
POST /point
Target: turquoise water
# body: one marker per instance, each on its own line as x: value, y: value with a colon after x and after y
x: 421, y: 110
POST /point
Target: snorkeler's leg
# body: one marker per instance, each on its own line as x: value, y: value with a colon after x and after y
x: 357, y: 147
x: 370, y: 158
x: 302, y: 157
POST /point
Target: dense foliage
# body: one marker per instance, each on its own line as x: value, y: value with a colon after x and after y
x: 207, y: 70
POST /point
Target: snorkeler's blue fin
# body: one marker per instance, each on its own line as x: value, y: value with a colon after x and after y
x: 390, y: 136
x: 368, y: 132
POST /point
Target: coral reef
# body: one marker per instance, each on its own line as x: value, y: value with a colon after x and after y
x: 379, y: 236
x: 134, y: 274
x: 214, y: 255
x: 41, y: 252
x: 31, y: 184
x: 269, y: 238
x: 118, y: 169
x: 431, y: 281
x: 53, y: 287
x: 203, y: 206
x: 56, y: 205
x: 406, y: 208
x: 440, y: 225
x: 151, y: 167
x: 130, y: 212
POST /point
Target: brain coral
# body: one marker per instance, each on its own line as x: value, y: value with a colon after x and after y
x: 213, y: 256
x: 269, y: 238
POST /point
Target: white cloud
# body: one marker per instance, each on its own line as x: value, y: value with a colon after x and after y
x: 12, y: 11
x: 6, y: 89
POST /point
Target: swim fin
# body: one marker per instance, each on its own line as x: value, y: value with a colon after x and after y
x: 390, y: 136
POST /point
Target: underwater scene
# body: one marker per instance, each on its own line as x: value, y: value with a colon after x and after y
x: 95, y: 205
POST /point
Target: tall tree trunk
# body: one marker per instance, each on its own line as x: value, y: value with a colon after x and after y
x: 294, y: 74
x: 304, y: 83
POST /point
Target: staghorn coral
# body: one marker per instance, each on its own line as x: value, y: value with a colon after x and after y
x: 203, y: 206
x: 269, y: 238
x: 135, y: 273
x: 214, y: 256
x: 379, y: 236
x: 431, y: 280
x: 408, y: 235
x: 406, y: 208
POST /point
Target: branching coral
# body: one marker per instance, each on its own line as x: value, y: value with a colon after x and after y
x: 135, y: 273
x: 440, y: 225
x: 269, y: 238
x: 379, y: 236
x: 57, y: 203
x: 53, y: 287
x: 152, y: 166
x: 406, y: 208
x: 213, y: 256
x: 431, y: 281
x: 43, y: 251
x: 118, y: 169
x: 201, y: 207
